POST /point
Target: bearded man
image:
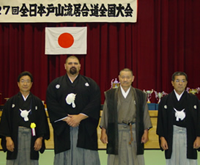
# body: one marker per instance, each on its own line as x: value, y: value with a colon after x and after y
x: 73, y: 103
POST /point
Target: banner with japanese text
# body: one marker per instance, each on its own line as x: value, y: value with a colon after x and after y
x: 19, y: 11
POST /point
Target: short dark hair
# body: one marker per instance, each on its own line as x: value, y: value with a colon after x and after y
x: 25, y: 73
x: 179, y: 74
x: 73, y: 57
x: 127, y: 70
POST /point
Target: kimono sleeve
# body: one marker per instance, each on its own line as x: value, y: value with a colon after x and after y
x: 104, y: 117
x: 93, y: 107
x: 160, y: 124
x: 5, y: 124
x: 55, y: 110
x: 43, y: 127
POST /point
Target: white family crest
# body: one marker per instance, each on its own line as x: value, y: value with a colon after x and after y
x: 57, y: 86
x: 24, y: 114
x: 86, y: 84
x: 70, y: 99
x: 179, y: 114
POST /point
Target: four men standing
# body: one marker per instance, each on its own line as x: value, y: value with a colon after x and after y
x: 73, y: 104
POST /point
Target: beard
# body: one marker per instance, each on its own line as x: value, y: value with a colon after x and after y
x: 73, y: 70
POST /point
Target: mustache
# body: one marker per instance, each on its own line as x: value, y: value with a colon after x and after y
x: 73, y: 70
x: 73, y: 67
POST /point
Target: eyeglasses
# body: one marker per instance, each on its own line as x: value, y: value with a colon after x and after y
x: 25, y: 81
x: 183, y: 81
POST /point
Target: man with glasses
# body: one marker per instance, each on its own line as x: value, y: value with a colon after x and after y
x: 23, y: 125
x: 178, y: 123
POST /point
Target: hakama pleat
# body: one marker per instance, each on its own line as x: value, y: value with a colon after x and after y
x: 24, y: 149
x: 126, y: 152
x: 76, y: 155
x: 179, y: 148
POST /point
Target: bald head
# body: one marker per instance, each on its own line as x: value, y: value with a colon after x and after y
x: 72, y: 57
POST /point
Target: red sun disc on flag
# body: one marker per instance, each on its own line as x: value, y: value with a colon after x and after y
x: 65, y: 40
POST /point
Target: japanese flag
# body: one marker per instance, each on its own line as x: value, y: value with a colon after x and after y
x: 65, y: 40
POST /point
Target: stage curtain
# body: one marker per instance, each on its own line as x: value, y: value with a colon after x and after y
x: 165, y: 39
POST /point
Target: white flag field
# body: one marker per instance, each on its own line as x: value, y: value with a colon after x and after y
x: 65, y: 40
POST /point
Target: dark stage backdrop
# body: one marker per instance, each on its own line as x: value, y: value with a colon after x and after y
x: 165, y: 39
